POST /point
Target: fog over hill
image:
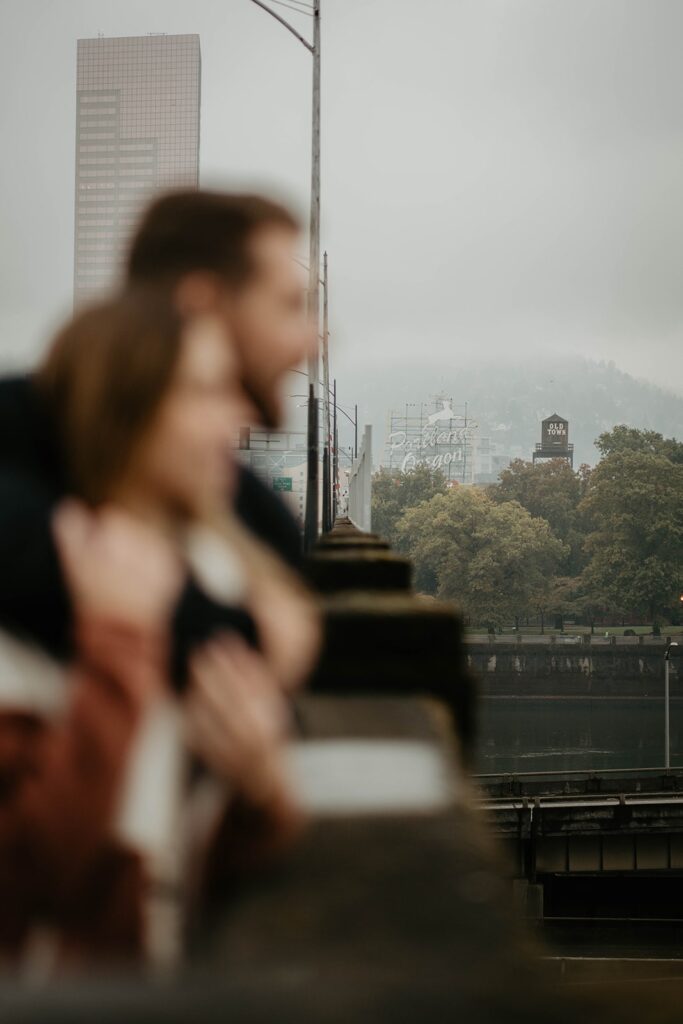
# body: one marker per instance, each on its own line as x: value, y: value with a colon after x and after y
x: 509, y: 399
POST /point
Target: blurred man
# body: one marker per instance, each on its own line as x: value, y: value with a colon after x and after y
x: 235, y: 256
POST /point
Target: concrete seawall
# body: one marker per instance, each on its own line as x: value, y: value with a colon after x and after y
x: 530, y: 670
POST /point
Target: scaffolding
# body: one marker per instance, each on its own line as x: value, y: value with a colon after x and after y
x: 433, y: 434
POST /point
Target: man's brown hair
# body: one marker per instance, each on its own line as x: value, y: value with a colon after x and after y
x: 195, y: 230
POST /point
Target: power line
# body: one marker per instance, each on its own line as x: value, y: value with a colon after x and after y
x: 281, y: 3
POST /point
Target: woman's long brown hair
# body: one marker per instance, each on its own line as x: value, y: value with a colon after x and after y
x: 103, y: 380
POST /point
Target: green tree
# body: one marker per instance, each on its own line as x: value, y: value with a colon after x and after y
x: 495, y: 559
x: 558, y: 598
x: 590, y: 604
x: 647, y: 442
x: 552, y: 491
x: 635, y: 547
x: 393, y: 492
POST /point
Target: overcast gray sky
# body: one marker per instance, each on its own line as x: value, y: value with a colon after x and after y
x: 500, y: 177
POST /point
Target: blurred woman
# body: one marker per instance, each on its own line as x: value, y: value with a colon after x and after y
x: 146, y: 407
x: 69, y: 889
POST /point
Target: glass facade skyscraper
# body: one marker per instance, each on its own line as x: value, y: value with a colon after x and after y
x: 137, y: 132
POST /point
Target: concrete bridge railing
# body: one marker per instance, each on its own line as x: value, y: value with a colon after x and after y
x: 394, y: 905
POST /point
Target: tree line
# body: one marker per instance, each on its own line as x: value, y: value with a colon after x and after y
x: 548, y: 541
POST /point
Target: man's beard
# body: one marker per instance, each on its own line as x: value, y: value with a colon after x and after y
x: 266, y: 404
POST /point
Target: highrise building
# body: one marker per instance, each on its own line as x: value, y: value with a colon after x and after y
x: 137, y: 131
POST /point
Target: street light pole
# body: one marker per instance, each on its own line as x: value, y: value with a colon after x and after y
x: 667, y: 753
x: 667, y: 734
x: 312, y: 502
x: 314, y: 223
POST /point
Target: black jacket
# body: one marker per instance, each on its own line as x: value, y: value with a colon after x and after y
x: 33, y: 597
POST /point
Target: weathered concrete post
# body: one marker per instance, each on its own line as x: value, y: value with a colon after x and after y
x: 380, y: 637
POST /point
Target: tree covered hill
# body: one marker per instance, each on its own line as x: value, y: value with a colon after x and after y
x: 509, y: 399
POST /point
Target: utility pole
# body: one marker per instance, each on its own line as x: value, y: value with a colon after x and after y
x: 327, y: 464
x: 335, y: 460
x: 312, y: 503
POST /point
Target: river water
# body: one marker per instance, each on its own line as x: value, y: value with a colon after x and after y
x: 564, y: 733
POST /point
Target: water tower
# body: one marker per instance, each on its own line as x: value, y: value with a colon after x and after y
x: 554, y: 440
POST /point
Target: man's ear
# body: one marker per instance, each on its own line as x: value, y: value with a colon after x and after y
x: 196, y: 293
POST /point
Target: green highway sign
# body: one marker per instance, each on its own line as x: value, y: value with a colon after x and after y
x: 282, y: 483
